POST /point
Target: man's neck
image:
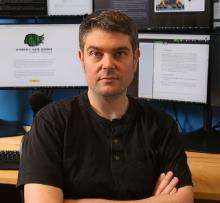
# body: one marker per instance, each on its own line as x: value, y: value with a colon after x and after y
x: 109, y: 107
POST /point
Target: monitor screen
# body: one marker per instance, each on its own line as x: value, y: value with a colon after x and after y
x: 215, y: 71
x: 174, y: 67
x: 15, y: 8
x: 40, y: 55
x: 163, y: 14
x: 216, y: 13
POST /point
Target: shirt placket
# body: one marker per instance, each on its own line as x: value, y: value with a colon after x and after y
x: 117, y: 155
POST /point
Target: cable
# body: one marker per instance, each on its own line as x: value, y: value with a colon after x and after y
x: 176, y: 117
x: 217, y: 126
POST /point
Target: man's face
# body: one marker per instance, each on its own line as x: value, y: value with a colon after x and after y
x: 109, y: 62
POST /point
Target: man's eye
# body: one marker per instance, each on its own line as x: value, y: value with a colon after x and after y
x: 95, y: 54
x: 120, y: 54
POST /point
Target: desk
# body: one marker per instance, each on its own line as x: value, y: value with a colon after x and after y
x: 205, y: 170
x: 9, y: 143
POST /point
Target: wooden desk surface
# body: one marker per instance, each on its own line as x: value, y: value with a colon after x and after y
x: 8, y: 177
x: 205, y: 170
x: 9, y: 143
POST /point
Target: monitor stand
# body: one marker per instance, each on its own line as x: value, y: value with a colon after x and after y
x: 10, y: 128
x: 202, y: 141
x: 205, y: 139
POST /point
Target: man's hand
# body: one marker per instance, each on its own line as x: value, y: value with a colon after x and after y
x: 166, y: 184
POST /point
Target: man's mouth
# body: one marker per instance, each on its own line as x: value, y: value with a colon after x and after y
x: 108, y: 78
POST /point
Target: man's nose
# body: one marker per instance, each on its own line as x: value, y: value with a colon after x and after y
x: 108, y: 62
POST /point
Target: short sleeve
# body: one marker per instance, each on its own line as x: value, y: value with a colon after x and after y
x: 41, y: 157
x: 172, y: 154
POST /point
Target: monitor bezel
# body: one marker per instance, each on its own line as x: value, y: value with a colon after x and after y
x: 208, y: 70
x: 62, y: 20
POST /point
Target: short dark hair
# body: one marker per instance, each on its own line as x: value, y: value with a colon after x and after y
x: 110, y: 21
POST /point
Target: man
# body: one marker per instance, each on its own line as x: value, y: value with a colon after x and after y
x: 104, y: 146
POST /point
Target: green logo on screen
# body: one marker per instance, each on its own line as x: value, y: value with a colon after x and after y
x: 33, y: 40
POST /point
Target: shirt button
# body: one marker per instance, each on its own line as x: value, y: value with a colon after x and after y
x: 115, y: 141
x: 113, y: 131
x: 117, y: 157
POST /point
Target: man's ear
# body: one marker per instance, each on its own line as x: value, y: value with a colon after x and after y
x: 136, y: 58
x: 80, y: 56
x: 81, y: 59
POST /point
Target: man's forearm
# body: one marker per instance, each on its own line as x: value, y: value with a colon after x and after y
x: 184, y: 195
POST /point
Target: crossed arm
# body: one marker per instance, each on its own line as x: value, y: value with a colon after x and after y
x: 165, y: 192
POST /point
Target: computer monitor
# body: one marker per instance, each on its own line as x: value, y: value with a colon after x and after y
x: 215, y: 71
x: 164, y: 14
x: 39, y: 56
x: 174, y: 67
x: 216, y: 14
x: 14, y: 8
